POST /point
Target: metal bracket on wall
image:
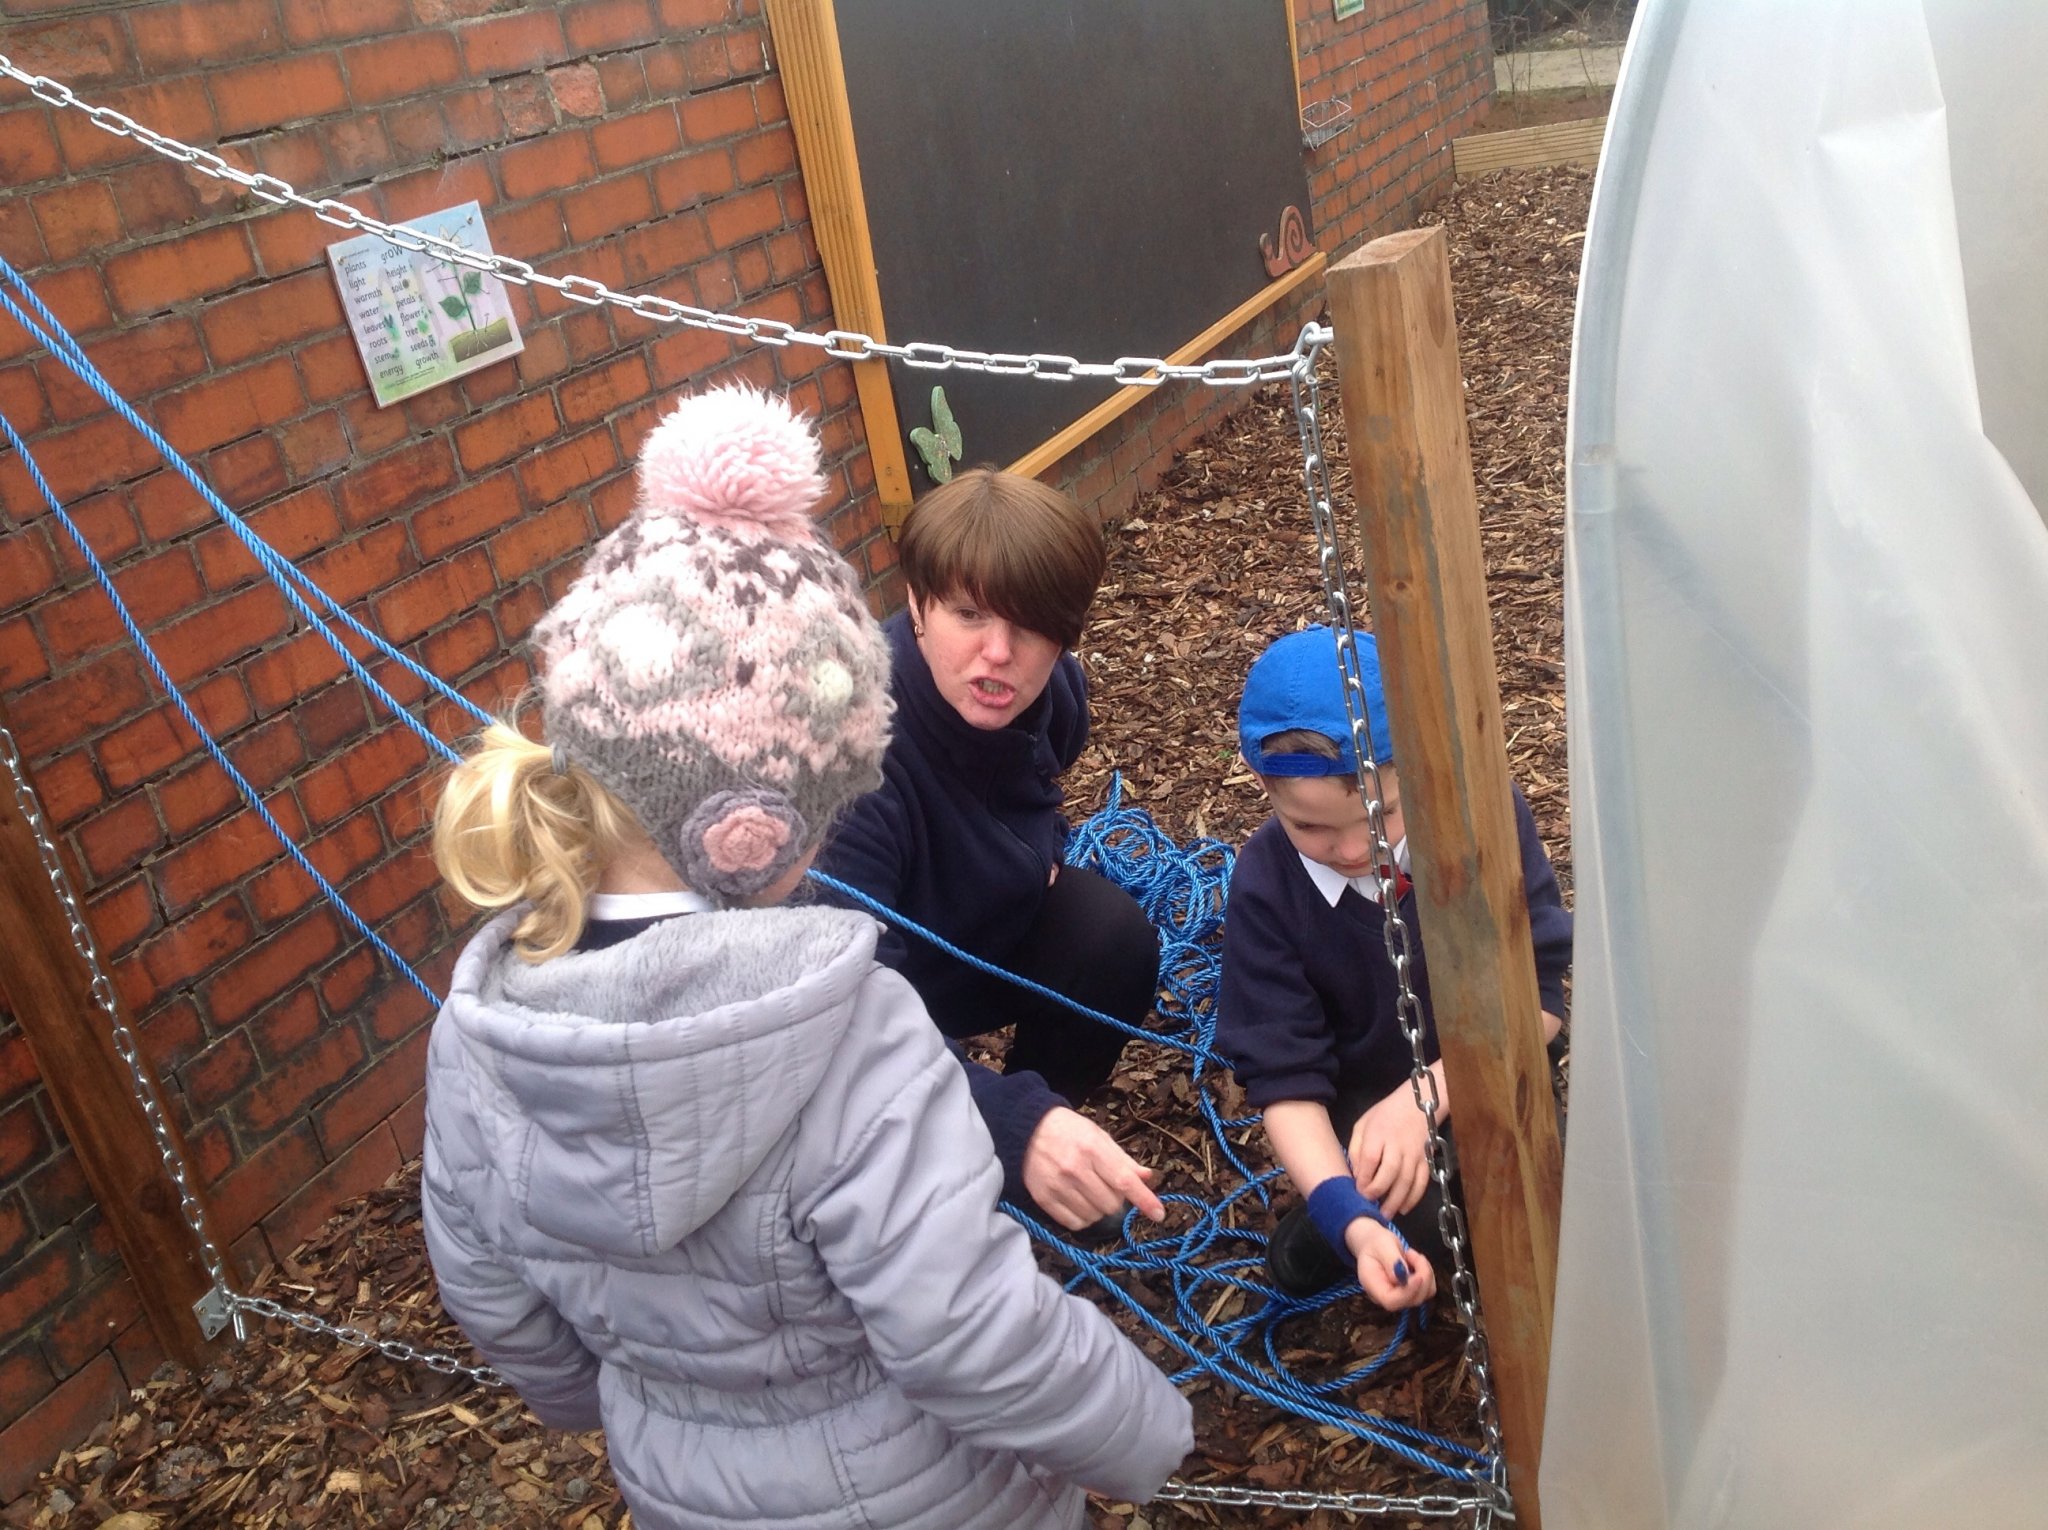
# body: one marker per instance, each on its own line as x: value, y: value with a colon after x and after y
x: 216, y: 1313
x: 1323, y: 120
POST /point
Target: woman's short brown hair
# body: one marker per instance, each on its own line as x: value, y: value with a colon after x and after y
x: 1018, y: 547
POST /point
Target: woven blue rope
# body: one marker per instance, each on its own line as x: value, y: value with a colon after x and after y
x: 1182, y: 892
x: 288, y: 578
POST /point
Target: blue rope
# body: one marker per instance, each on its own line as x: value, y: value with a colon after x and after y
x: 1208, y: 1262
x: 1182, y: 892
x: 288, y: 578
x: 163, y: 678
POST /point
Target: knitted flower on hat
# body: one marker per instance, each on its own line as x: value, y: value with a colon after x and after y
x: 715, y: 665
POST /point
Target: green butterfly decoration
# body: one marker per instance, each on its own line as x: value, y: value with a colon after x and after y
x: 940, y: 446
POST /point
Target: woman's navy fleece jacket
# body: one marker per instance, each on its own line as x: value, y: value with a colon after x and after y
x: 962, y: 837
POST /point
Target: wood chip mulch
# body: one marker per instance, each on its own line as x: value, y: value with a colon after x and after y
x: 290, y: 1430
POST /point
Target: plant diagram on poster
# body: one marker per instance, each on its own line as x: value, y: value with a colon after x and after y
x: 419, y: 320
x: 1349, y: 8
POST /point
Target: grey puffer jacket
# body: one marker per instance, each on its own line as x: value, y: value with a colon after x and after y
x: 721, y: 1189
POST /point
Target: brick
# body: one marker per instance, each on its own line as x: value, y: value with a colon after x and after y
x: 592, y: 395
x: 337, y: 855
x: 372, y: 1096
x: 314, y: 446
x: 20, y: 241
x: 251, y: 468
x: 458, y: 649
x: 28, y: 147
x: 673, y: 244
x: 465, y: 515
x: 186, y: 34
x: 395, y: 884
x: 332, y: 718
x: 428, y: 599
x: 623, y: 80
x: 290, y: 1091
x: 178, y: 108
x: 470, y: 119
x: 270, y: 317
x: 22, y: 661
x: 198, y: 644
x: 82, y: 50
x: 292, y: 527
x: 307, y: 22
x: 194, y: 945
x: 262, y: 1182
x: 719, y: 114
x: 219, y: 1073
x: 607, y: 207
x: 17, y: 1065
x: 290, y: 240
x: 24, y: 1140
x: 293, y: 670
x: 76, y: 218
x: 277, y: 91
x: 89, y: 457
x: 16, y: 1233
x: 158, y: 276
x: 250, y: 981
x: 38, y: 1282
x: 690, y: 15
x: 287, y: 1025
x: 77, y: 623
x: 547, y: 164
x: 140, y: 362
x: 539, y: 540
x: 525, y: 106
x: 60, y: 1419
x: 57, y: 1193
x: 70, y: 788
x: 358, y: 149
x: 118, y: 839
x: 576, y: 91
x: 693, y: 179
x: 331, y: 368
x: 395, y: 68
x: 136, y: 1351
x: 365, y: 773
x: 601, y: 26
x: 123, y: 915
x: 550, y: 474
x: 231, y: 405
x: 223, y: 855
x: 506, y: 432
x: 512, y: 44
x: 80, y: 702
x: 375, y: 490
x: 370, y: 561
x: 766, y: 156
x: 194, y: 798
x: 359, y: 1170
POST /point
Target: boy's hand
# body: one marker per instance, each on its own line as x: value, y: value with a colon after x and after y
x: 1078, y: 1175
x: 1390, y: 1152
x: 1394, y: 1277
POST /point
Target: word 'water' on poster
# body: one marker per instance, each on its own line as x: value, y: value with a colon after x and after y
x: 420, y: 320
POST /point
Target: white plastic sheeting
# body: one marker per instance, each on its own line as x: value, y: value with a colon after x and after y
x: 1804, y: 1278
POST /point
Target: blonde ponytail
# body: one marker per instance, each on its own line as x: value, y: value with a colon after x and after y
x: 510, y: 829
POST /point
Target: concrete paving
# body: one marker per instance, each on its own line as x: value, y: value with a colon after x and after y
x: 1556, y: 69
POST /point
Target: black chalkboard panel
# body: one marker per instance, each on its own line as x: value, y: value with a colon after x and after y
x: 1079, y: 177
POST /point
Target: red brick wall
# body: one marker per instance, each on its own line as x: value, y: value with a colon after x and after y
x: 643, y: 142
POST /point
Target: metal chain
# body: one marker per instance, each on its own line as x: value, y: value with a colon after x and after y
x: 103, y: 995
x: 1427, y: 1506
x: 1306, y: 392
x: 396, y: 1349
x: 840, y: 344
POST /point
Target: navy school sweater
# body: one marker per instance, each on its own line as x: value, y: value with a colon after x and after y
x: 962, y: 837
x: 1306, y: 1008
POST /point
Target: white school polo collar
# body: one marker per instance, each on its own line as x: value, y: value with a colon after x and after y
x: 649, y: 905
x: 1331, y: 882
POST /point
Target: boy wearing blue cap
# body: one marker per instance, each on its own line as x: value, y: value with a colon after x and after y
x: 1306, y: 1013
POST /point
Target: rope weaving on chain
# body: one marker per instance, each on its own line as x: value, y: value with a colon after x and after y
x: 1181, y: 890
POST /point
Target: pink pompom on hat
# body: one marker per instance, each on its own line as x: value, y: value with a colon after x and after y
x: 715, y: 665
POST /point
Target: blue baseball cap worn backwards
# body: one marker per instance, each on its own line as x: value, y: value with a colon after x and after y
x: 1296, y: 683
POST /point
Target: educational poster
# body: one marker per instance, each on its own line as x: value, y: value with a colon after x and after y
x: 420, y: 320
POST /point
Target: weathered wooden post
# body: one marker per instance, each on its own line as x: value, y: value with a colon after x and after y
x: 1418, y: 524
x: 50, y: 992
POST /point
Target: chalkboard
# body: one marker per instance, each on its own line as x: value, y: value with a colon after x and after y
x: 1080, y: 177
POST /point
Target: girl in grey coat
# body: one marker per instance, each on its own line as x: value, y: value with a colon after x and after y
x: 697, y: 1168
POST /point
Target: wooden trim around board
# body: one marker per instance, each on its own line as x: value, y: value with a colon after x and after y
x: 806, y: 34
x: 1041, y: 457
x: 1294, y: 49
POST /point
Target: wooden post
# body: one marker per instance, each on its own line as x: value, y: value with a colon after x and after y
x: 50, y: 992
x: 1418, y: 521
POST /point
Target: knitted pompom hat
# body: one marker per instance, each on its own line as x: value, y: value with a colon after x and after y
x: 714, y: 665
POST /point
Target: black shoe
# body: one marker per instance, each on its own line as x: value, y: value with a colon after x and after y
x: 1298, y: 1261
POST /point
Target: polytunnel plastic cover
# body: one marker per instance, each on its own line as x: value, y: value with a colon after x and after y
x: 1806, y: 1183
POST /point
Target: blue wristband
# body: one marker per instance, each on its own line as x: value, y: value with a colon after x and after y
x: 1334, y: 1205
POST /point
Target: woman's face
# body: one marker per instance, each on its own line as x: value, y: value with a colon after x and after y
x: 989, y: 669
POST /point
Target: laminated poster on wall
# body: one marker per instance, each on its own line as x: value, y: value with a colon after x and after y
x: 420, y: 320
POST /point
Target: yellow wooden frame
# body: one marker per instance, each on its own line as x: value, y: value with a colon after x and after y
x: 806, y: 36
